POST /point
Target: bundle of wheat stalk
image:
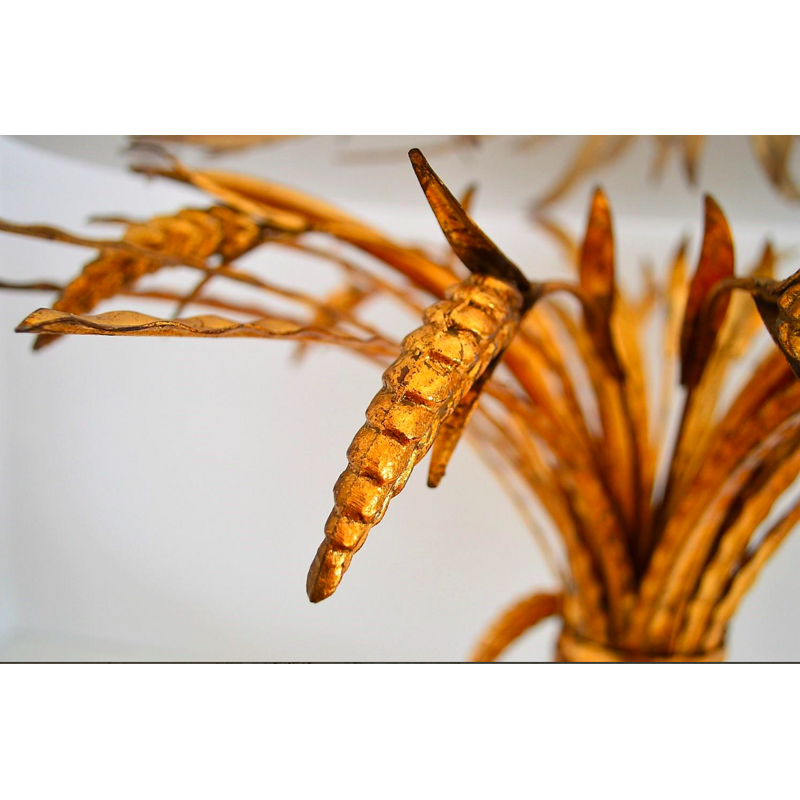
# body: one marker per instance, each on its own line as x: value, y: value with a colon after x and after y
x: 649, y: 569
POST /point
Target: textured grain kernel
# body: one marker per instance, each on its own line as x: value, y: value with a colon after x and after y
x: 343, y: 483
x: 405, y: 420
x: 469, y: 318
x: 461, y: 347
x: 380, y: 457
x: 431, y: 384
x: 487, y: 301
x: 365, y: 500
x: 419, y: 341
x: 434, y: 344
x: 499, y: 292
x: 344, y: 533
x: 326, y: 571
x: 400, y: 374
x: 437, y: 315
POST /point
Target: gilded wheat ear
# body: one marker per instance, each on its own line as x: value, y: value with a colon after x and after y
x: 191, y: 235
x: 431, y: 389
x: 435, y: 371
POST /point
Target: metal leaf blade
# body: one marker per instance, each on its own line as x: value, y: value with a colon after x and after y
x: 131, y: 323
x: 478, y: 252
x: 702, y: 323
x: 596, y: 270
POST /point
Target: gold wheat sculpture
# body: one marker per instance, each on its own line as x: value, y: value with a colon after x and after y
x: 660, y: 536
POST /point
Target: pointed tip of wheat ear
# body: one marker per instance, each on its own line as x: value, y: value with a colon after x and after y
x: 326, y: 572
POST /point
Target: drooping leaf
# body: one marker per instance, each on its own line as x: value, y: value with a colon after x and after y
x: 131, y: 323
x: 705, y: 313
x: 513, y: 623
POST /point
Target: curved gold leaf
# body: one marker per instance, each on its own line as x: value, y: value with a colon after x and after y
x: 596, y: 270
x: 749, y: 572
x: 131, y: 323
x: 776, y: 475
x: 513, y: 623
x: 701, y: 323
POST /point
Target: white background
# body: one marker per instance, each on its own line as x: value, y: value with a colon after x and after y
x: 163, y: 499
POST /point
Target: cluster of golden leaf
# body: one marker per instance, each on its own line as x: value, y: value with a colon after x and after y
x: 773, y: 153
x: 648, y: 569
